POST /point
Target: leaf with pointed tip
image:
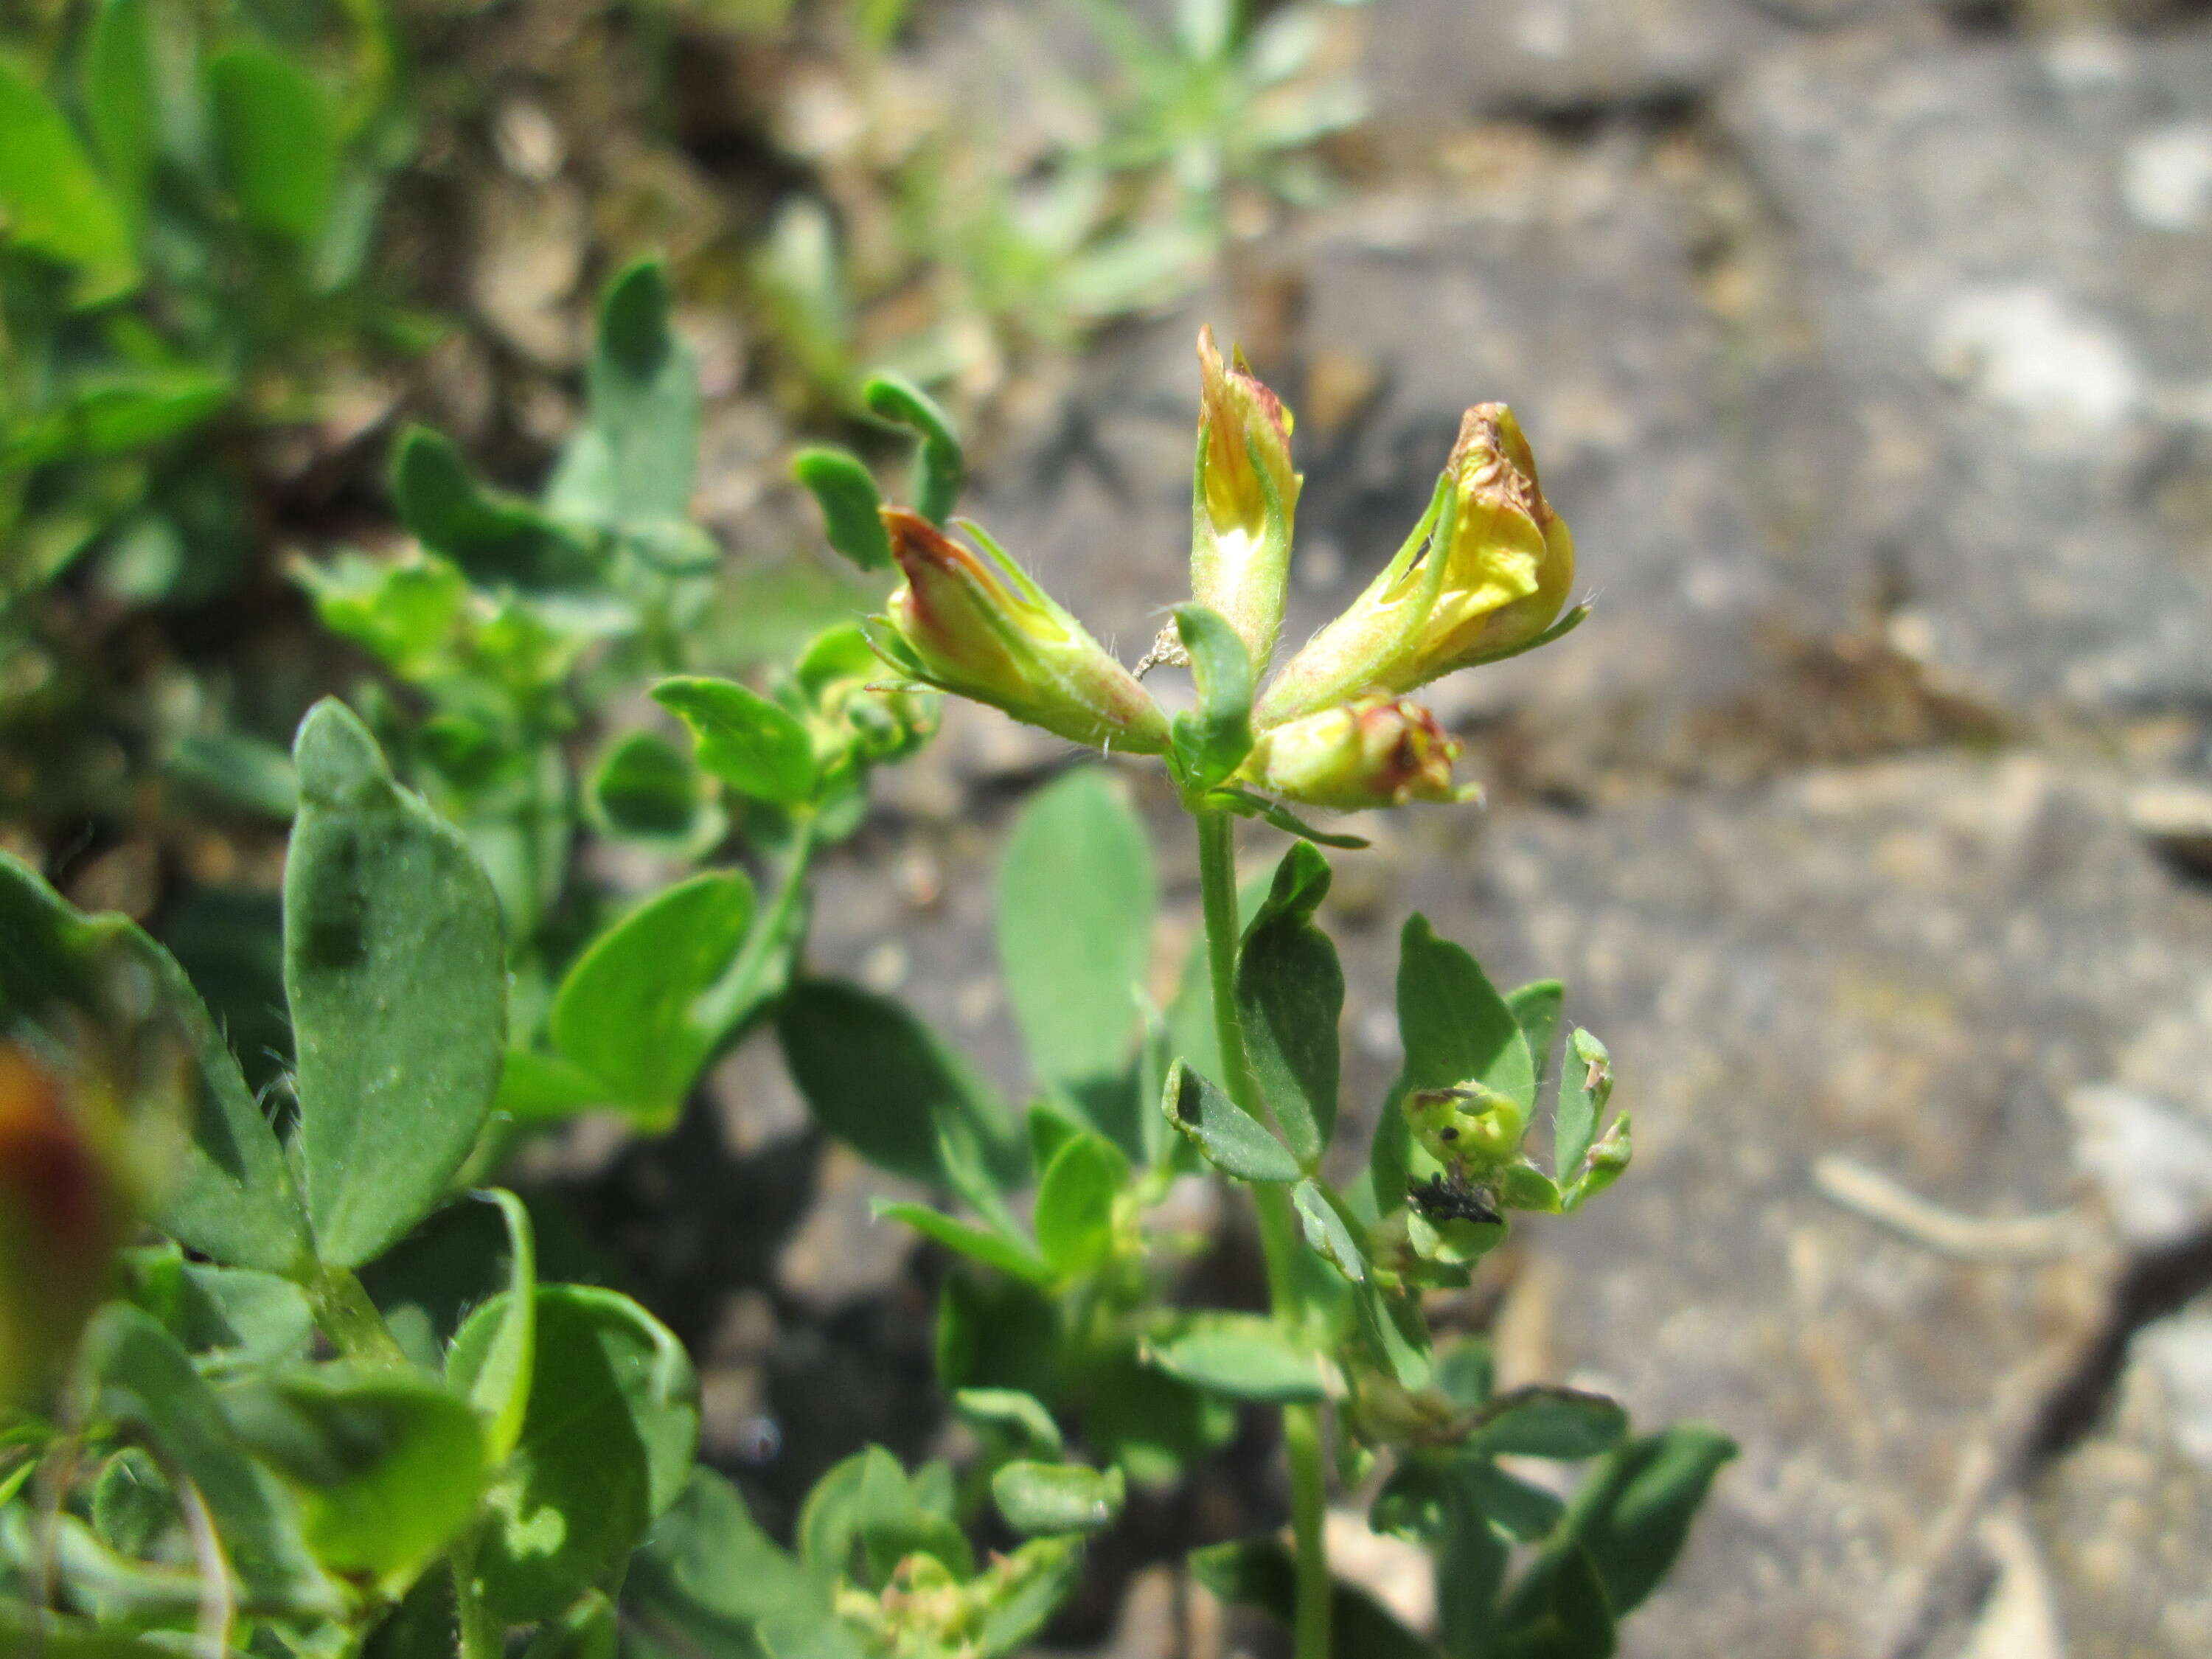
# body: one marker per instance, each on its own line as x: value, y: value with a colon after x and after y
x: 633, y: 462
x: 386, y: 1465
x: 1011, y: 1412
x: 1456, y: 1027
x: 993, y: 1248
x: 1541, y: 1421
x: 139, y: 1375
x: 500, y: 1391
x: 495, y: 539
x: 757, y: 747
x: 606, y: 1446
x: 879, y: 1080
x: 1585, y: 1086
x: 1075, y: 1199
x: 710, y: 1576
x: 1328, y: 1233
x: 1536, y: 1008
x: 1234, y: 1141
x: 1212, y: 740
x: 1633, y: 1514
x: 52, y: 200
x: 1243, y: 1356
x: 277, y: 140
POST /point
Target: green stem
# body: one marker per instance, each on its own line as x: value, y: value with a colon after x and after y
x: 481, y: 1636
x: 1217, y: 875
x: 734, y: 994
x: 350, y: 1320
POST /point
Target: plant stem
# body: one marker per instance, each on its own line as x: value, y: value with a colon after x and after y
x: 1216, y: 874
x: 733, y: 995
x: 350, y: 1320
x: 481, y: 1635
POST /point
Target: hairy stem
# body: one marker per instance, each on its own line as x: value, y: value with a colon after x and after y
x: 350, y: 1320
x: 1217, y: 869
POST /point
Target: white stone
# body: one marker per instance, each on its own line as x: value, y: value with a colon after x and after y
x: 2153, y: 1162
x: 2181, y: 1350
x: 2023, y: 346
x: 2167, y: 176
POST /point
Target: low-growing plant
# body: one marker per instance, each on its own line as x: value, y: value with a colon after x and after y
x: 186, y: 208
x: 515, y: 625
x: 333, y: 1411
x: 963, y: 238
x: 187, y: 197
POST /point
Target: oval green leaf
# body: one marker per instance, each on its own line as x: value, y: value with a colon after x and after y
x: 1057, y: 1498
x: 625, y: 1011
x: 1076, y: 895
x: 396, y: 978
x: 606, y: 1445
x: 752, y: 745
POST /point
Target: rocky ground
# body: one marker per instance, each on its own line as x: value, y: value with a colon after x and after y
x: 1864, y: 344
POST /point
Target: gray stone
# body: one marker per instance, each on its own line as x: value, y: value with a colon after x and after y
x: 1909, y: 963
x: 2125, y: 1521
x: 2006, y: 250
x: 1432, y: 58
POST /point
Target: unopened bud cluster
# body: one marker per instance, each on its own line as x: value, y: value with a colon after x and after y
x: 1485, y: 574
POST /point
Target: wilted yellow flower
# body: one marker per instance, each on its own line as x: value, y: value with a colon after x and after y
x: 1375, y: 751
x: 1482, y: 576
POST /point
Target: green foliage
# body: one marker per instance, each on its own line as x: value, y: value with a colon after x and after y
x: 877, y: 1080
x: 54, y: 201
x: 1057, y: 1498
x: 363, y: 1425
x: 230, y: 1193
x: 1075, y: 899
x: 605, y: 1447
x: 184, y: 218
x: 385, y: 1465
x: 1212, y: 740
x: 625, y: 1011
x: 392, y: 967
x: 1231, y: 1140
x: 1290, y: 993
x: 749, y: 743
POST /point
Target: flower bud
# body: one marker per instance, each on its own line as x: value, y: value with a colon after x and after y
x: 1378, y: 751
x: 1468, y: 1129
x: 976, y: 624
x: 857, y: 720
x: 1480, y: 577
x: 1242, y: 501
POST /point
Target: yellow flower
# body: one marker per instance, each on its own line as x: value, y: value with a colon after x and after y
x: 1484, y: 575
x: 1243, y: 500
